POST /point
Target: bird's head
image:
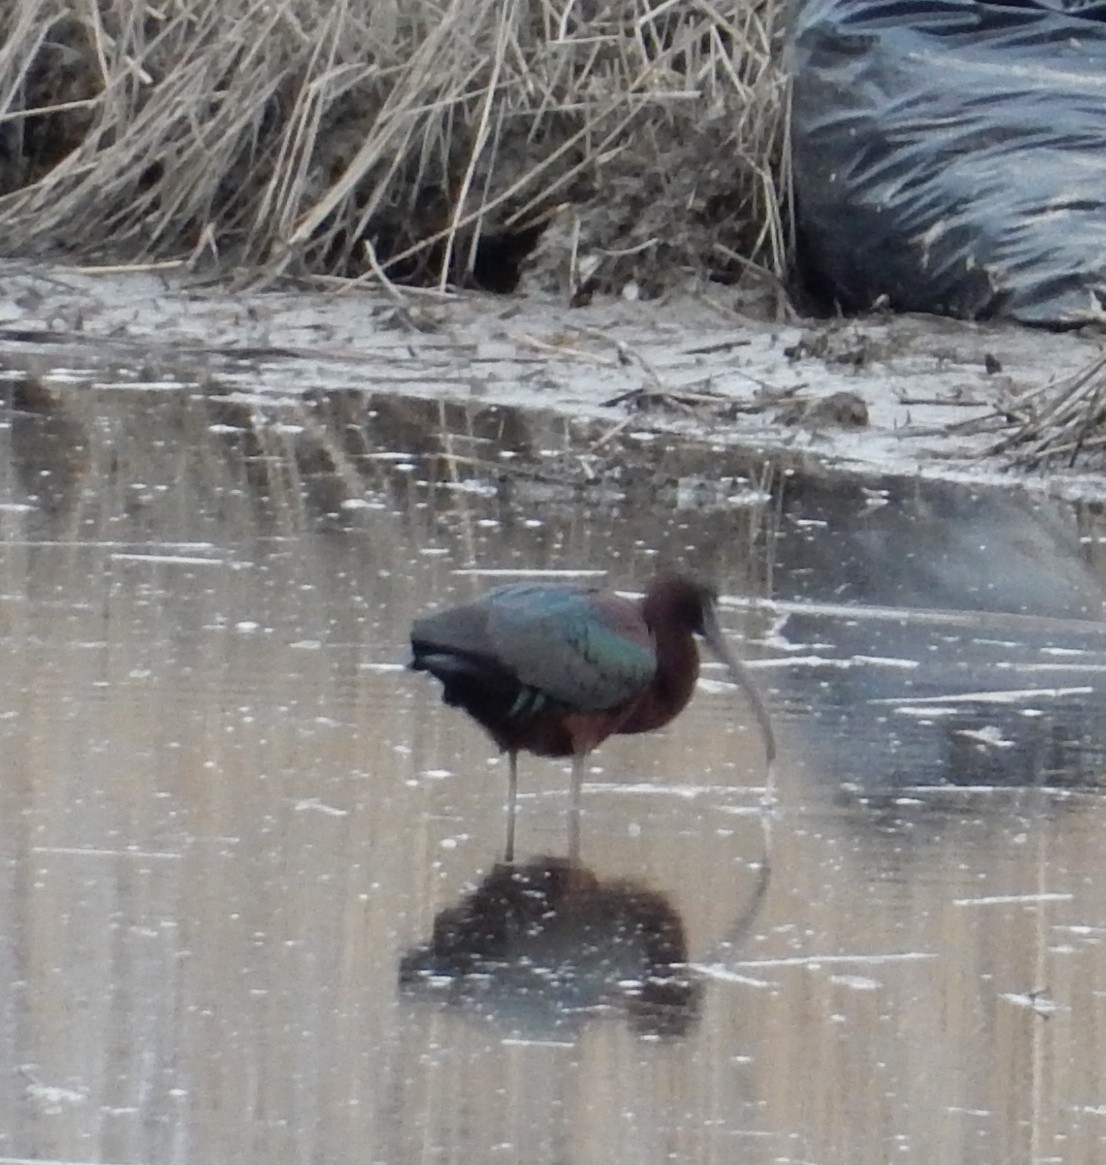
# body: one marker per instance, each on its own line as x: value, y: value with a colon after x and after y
x: 688, y: 605
x: 680, y: 602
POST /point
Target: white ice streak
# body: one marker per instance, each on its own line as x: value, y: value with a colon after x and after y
x: 110, y: 543
x: 1033, y: 1000
x: 53, y: 1100
x: 1013, y: 899
x: 506, y: 572
x: 89, y: 852
x: 990, y: 734
x: 725, y: 974
x: 884, y: 661
x: 506, y: 1042
x: 962, y: 789
x: 816, y: 961
x: 314, y: 805
x: 170, y: 559
x: 1066, y: 668
x: 1000, y: 696
x: 684, y: 792
x: 714, y: 687
x: 856, y: 982
x: 765, y: 800
x: 973, y: 620
x: 828, y: 661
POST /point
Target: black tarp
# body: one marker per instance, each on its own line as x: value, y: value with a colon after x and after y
x: 951, y: 156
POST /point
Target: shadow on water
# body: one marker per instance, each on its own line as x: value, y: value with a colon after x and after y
x: 962, y: 628
x: 228, y: 814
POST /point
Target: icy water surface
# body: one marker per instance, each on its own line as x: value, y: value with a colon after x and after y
x: 250, y: 909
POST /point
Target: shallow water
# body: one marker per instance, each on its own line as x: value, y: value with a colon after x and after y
x: 230, y: 817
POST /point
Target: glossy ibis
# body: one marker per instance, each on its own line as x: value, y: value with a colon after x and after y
x: 556, y: 668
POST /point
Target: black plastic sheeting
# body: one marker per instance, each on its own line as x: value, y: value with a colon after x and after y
x: 951, y: 156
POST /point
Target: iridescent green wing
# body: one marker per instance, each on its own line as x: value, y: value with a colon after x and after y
x: 588, y: 649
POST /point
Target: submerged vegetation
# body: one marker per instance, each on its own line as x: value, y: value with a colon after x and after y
x: 429, y: 141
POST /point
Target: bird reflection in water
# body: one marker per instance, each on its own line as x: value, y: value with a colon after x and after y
x: 543, y: 945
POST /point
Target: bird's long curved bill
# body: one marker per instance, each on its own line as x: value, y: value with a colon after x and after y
x: 716, y: 641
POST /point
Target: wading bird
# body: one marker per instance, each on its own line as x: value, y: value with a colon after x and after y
x: 556, y: 668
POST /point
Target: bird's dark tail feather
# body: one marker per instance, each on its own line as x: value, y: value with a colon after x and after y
x: 488, y: 692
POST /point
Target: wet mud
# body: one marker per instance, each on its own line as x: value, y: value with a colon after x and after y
x: 901, y: 395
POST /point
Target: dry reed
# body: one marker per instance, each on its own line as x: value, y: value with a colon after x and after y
x: 1054, y: 425
x: 426, y: 136
x: 1059, y: 423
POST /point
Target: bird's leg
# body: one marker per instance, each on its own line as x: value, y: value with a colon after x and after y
x: 578, y: 761
x: 512, y: 801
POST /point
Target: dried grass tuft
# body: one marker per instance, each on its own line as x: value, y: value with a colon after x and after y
x: 428, y: 136
x: 1054, y: 425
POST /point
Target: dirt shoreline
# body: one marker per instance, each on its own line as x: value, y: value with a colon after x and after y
x: 690, y: 365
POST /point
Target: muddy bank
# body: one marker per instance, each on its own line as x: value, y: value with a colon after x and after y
x: 888, y: 394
